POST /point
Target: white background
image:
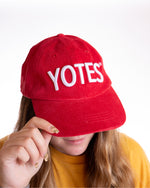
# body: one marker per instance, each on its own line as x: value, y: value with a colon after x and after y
x: 119, y: 30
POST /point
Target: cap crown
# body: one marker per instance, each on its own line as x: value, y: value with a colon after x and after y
x: 63, y: 67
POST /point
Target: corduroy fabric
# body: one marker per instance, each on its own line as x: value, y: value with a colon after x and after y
x: 65, y: 78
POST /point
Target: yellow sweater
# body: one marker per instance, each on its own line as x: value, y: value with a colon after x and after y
x: 69, y: 170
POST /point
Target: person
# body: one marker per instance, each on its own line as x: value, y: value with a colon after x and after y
x: 67, y: 131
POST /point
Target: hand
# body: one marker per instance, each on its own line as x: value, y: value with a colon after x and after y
x: 23, y: 151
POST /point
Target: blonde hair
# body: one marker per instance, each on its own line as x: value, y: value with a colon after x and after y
x: 106, y: 163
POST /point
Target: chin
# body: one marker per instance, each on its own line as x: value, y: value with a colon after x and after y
x: 76, y: 151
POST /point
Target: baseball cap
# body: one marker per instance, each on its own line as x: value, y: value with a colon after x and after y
x: 64, y: 77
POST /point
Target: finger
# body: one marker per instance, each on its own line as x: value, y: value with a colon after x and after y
x: 23, y: 135
x: 28, y: 144
x: 31, y: 149
x: 17, y: 153
x: 47, y: 137
x: 38, y: 139
x: 22, y: 155
x: 41, y: 124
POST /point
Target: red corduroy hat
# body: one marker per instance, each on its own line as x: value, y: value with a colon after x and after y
x: 65, y: 78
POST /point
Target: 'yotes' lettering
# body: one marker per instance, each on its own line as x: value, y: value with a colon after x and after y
x: 89, y: 72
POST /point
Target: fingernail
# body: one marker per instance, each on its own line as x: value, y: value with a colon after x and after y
x: 53, y: 129
x: 46, y: 157
x: 36, y: 165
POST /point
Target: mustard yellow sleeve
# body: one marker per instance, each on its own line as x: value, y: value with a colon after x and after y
x: 139, y: 162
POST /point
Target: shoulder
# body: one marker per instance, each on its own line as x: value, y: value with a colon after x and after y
x: 2, y: 141
x: 132, y: 149
x: 130, y: 146
x: 138, y: 160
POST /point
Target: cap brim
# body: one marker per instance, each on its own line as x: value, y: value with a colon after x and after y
x: 78, y: 117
